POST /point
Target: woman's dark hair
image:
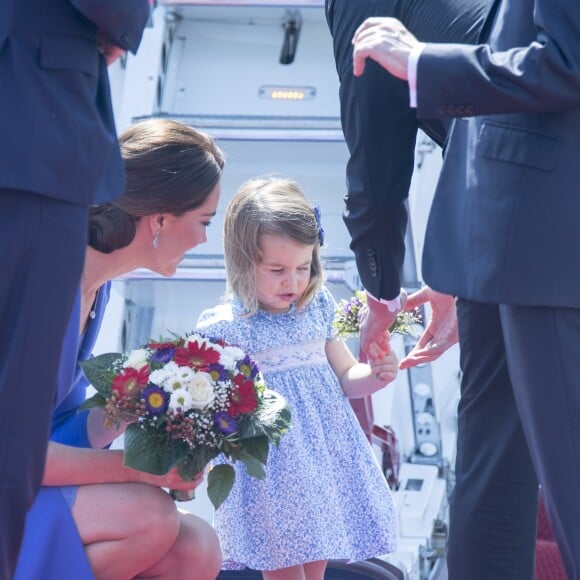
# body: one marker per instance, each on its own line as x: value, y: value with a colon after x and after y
x: 169, y: 168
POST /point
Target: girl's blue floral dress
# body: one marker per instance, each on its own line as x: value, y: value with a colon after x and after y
x: 325, y: 496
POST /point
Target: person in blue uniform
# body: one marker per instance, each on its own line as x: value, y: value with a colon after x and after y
x: 58, y: 155
x: 93, y: 516
x: 509, y: 183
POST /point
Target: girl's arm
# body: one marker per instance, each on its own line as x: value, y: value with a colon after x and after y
x: 359, y: 379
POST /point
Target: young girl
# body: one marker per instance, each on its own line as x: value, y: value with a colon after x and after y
x: 324, y: 496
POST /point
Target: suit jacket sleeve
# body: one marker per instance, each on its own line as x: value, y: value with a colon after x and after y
x: 542, y: 74
x: 380, y: 130
x: 121, y: 21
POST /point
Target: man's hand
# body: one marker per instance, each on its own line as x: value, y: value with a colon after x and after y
x: 109, y: 50
x: 375, y: 321
x: 386, y: 41
x: 441, y: 332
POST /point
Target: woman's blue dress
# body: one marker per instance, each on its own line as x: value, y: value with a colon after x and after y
x: 325, y: 496
x: 52, y: 548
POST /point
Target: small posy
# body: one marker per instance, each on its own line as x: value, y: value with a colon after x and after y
x: 347, y: 318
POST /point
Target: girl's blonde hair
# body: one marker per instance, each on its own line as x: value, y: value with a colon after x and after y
x: 267, y: 206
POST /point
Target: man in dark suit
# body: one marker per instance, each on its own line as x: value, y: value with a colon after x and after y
x: 380, y: 131
x: 58, y: 154
x: 503, y: 238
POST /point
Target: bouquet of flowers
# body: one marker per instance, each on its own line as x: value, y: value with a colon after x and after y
x: 347, y: 318
x: 189, y: 400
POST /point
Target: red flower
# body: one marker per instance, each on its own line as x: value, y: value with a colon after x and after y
x: 196, y: 355
x: 130, y: 382
x: 243, y: 399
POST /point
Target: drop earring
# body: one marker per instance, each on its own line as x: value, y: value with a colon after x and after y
x: 156, y: 239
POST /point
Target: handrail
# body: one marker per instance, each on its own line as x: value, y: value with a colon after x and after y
x: 263, y: 128
x: 209, y: 275
x: 288, y: 3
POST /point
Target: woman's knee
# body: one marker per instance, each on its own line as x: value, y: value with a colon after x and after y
x: 198, y: 547
x: 155, y: 514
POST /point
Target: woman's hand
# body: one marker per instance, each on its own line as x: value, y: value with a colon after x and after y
x: 171, y: 480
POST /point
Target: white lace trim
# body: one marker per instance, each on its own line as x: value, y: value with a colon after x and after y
x: 287, y: 357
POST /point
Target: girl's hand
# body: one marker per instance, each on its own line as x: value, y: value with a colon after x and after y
x: 385, y: 368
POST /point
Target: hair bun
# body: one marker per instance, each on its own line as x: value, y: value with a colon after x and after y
x: 110, y: 228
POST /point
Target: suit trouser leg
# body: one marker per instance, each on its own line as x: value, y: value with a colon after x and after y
x: 543, y: 351
x: 494, y: 504
x: 42, y: 246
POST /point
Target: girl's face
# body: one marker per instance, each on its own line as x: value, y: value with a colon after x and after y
x: 283, y: 273
x: 178, y: 234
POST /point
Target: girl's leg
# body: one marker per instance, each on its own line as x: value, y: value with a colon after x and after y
x: 315, y: 570
x: 196, y: 553
x: 308, y: 571
x: 125, y: 528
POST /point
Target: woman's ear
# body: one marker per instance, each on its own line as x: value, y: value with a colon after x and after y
x: 154, y: 224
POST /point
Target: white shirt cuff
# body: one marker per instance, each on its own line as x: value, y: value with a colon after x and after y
x: 412, y: 65
x: 393, y: 305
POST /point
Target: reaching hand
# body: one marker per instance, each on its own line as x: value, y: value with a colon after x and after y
x: 109, y: 50
x: 441, y: 332
x: 375, y: 321
x: 386, y: 41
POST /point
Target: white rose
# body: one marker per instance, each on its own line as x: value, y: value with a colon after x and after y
x: 137, y: 359
x: 180, y: 398
x: 201, y: 391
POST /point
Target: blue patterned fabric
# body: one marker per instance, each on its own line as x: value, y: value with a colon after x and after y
x: 325, y: 496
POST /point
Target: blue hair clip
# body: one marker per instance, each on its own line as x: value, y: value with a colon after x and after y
x: 317, y: 215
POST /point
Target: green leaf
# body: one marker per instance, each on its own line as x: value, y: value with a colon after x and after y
x: 220, y: 481
x: 195, y: 461
x: 271, y: 419
x: 254, y: 467
x: 152, y: 451
x: 96, y: 401
x: 100, y: 371
x: 257, y: 447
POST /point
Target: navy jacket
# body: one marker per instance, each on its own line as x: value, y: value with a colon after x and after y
x: 504, y: 225
x: 57, y: 132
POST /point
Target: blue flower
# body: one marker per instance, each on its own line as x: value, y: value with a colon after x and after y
x: 225, y: 424
x: 156, y: 400
x: 217, y: 372
x: 162, y: 355
x: 248, y: 367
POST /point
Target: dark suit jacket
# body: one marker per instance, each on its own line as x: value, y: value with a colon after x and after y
x: 504, y: 226
x: 57, y: 133
x: 380, y: 128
